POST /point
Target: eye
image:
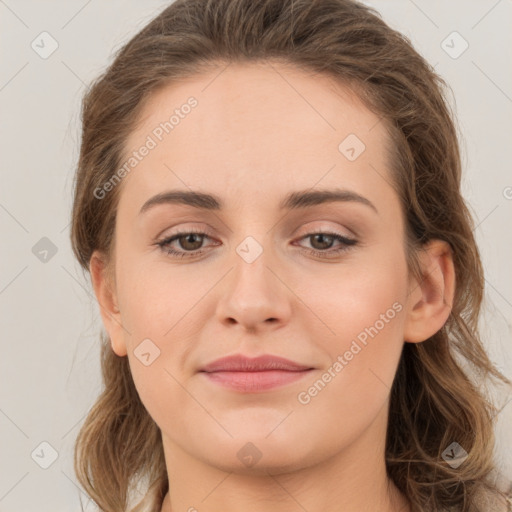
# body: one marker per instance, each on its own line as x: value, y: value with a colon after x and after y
x: 191, y: 242
x: 324, y: 240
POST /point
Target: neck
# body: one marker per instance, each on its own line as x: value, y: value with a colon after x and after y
x: 353, y: 479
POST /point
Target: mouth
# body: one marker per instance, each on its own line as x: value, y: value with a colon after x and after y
x: 251, y: 375
x: 252, y: 382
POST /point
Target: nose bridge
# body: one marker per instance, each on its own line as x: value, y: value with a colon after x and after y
x: 252, y: 293
x: 251, y: 276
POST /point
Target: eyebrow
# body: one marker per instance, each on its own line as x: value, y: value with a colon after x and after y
x: 293, y: 201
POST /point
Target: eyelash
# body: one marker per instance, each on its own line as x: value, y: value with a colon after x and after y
x: 165, y: 244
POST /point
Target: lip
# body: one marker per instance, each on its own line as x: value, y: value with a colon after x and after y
x: 241, y: 363
x: 248, y: 375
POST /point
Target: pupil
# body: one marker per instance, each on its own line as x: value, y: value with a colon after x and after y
x: 321, y: 236
x: 190, y: 239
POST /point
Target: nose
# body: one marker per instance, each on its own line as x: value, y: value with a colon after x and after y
x: 254, y: 295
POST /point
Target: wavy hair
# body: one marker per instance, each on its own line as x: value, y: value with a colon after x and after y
x: 434, y: 399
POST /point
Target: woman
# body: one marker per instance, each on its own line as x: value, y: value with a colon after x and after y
x: 268, y: 201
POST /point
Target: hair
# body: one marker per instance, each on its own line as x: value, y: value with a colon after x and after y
x: 434, y: 400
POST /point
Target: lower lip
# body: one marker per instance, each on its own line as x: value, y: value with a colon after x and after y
x: 251, y: 382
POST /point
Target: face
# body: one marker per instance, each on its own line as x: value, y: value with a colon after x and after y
x: 256, y: 271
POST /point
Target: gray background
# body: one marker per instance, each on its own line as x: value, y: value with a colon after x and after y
x: 49, y: 362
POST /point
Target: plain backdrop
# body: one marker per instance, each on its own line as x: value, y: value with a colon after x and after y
x: 49, y: 360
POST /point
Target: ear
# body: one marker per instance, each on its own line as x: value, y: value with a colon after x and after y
x: 105, y: 291
x: 430, y: 299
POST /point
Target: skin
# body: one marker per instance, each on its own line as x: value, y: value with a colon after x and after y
x: 259, y: 132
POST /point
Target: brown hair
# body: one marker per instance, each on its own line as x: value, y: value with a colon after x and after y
x: 433, y: 401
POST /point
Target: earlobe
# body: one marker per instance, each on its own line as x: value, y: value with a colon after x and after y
x: 430, y: 299
x: 106, y: 296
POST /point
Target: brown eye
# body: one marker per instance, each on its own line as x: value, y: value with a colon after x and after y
x: 322, y: 241
x: 190, y: 241
x: 184, y: 244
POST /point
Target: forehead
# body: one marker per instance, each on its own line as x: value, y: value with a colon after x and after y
x: 264, y: 127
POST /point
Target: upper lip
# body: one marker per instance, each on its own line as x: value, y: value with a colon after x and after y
x: 240, y: 363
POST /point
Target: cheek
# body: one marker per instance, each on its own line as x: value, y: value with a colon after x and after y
x: 364, y: 353
x: 352, y: 296
x: 359, y: 314
x: 159, y: 389
x: 154, y: 300
x: 159, y: 333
